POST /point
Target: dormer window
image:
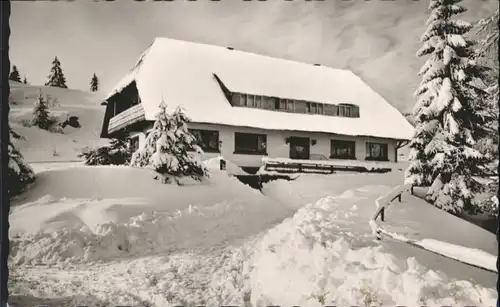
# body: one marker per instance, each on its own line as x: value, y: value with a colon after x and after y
x: 314, y: 108
x: 258, y: 101
x: 292, y: 105
x: 348, y: 110
x: 251, y: 101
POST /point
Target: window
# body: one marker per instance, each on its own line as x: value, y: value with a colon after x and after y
x: 289, y: 105
x: 342, y: 149
x: 251, y: 101
x: 208, y: 140
x: 320, y: 109
x: 247, y: 143
x: 243, y: 100
x: 348, y: 111
x: 258, y: 101
x: 314, y: 108
x: 376, y: 151
x: 134, y: 143
x: 282, y: 104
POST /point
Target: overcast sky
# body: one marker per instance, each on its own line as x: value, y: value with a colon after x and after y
x: 376, y: 39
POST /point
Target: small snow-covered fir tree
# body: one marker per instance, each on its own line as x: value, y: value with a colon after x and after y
x: 167, y: 148
x: 56, y: 77
x: 41, y: 117
x: 19, y: 174
x: 449, y: 113
x: 25, y: 81
x: 14, y: 74
x: 94, y: 84
x: 118, y: 152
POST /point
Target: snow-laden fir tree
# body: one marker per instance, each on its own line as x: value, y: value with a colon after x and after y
x: 450, y: 113
x: 487, y: 53
x: 118, y: 152
x: 41, y: 116
x: 14, y: 74
x: 19, y: 174
x: 94, y: 84
x: 56, y: 77
x: 169, y: 148
x: 25, y: 81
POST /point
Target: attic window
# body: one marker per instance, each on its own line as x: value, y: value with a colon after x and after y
x: 314, y: 108
x: 317, y: 64
x: 348, y: 110
x: 230, y: 48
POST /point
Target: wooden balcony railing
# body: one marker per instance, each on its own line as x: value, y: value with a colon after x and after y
x: 125, y: 118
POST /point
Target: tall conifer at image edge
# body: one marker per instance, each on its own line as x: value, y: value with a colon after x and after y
x: 20, y: 174
x: 487, y: 53
x: 450, y: 114
x: 5, y: 11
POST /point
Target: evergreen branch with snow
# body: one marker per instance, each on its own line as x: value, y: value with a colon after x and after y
x: 450, y: 114
x: 19, y: 173
x: 170, y: 149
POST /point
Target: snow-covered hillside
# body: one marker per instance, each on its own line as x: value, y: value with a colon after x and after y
x: 41, y: 145
x: 101, y: 235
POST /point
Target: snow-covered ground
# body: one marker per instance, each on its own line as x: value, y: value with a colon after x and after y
x: 113, y: 235
x: 43, y: 146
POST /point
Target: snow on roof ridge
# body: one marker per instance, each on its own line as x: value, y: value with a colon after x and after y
x: 318, y: 66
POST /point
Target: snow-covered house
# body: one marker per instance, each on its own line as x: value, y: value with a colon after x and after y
x: 245, y: 106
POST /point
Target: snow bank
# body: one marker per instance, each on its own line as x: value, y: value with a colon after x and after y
x: 473, y: 256
x: 231, y: 168
x: 310, y: 260
x: 310, y: 188
x: 131, y: 214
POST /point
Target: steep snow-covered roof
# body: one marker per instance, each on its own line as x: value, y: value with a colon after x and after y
x: 182, y: 74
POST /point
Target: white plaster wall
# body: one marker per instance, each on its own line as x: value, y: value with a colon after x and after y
x: 277, y: 147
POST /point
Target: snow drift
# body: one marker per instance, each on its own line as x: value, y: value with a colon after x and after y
x: 60, y: 222
x: 221, y: 243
